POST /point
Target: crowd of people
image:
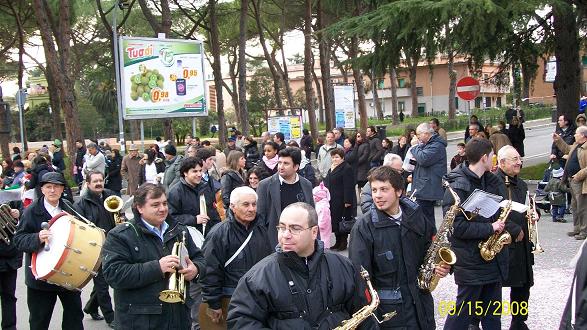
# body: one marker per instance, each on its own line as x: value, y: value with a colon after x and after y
x: 263, y: 217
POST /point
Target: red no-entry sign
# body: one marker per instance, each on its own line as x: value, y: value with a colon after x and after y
x: 468, y: 88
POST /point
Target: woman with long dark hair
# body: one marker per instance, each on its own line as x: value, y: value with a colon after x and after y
x: 234, y: 176
x: 362, y: 146
x: 151, y: 165
x: 114, y: 179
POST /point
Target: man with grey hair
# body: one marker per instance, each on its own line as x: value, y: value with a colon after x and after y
x: 96, y: 162
x: 302, y: 277
x: 430, y: 157
x: 391, y: 160
x: 576, y: 174
x: 473, y: 130
x: 231, y: 249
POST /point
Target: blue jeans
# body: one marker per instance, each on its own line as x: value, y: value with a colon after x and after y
x: 558, y: 212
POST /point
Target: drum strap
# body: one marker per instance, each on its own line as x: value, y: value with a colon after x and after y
x: 239, y: 249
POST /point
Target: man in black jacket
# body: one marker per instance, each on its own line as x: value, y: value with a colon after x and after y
x: 300, y: 286
x: 521, y: 259
x: 575, y: 313
x: 136, y: 259
x: 479, y: 281
x: 10, y: 262
x: 566, y: 130
x: 184, y: 206
x: 282, y: 189
x: 231, y: 249
x: 390, y: 241
x: 29, y: 238
x: 91, y: 206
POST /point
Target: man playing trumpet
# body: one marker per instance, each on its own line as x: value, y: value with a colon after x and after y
x: 91, y: 206
x: 136, y: 259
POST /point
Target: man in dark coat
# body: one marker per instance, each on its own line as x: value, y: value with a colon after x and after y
x: 30, y: 238
x: 281, y: 189
x: 307, y: 143
x: 80, y: 153
x: 10, y: 262
x: 113, y: 180
x: 363, y: 153
x: 478, y: 280
x: 521, y: 259
x: 430, y: 155
x: 91, y: 206
x: 172, y: 165
x: 136, y: 259
x: 231, y: 249
x: 184, y: 207
x: 390, y: 241
x: 376, y: 150
x: 301, y: 286
x: 57, y: 158
x: 566, y: 130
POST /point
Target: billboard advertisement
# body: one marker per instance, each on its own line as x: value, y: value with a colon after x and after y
x: 162, y: 78
x: 290, y: 126
x: 344, y: 106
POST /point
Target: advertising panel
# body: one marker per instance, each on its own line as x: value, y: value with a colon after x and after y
x: 290, y: 126
x: 344, y: 106
x: 162, y: 78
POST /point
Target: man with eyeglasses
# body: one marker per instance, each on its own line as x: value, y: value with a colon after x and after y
x: 282, y: 189
x: 390, y: 241
x: 230, y: 250
x: 521, y: 259
x: 301, y: 286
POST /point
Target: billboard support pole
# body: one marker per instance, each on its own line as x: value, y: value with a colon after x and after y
x: 193, y: 127
x: 142, y: 136
x: 118, y: 91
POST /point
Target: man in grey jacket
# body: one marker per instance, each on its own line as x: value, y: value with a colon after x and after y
x: 96, y: 162
x: 324, y: 160
x: 430, y: 156
x: 172, y: 165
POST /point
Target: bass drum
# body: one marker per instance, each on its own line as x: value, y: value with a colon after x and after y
x: 196, y: 236
x: 73, y: 257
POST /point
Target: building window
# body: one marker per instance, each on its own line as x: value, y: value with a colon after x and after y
x: 401, y: 82
x: 401, y: 106
x: 498, y: 102
x: 421, y: 108
x: 380, y: 83
x: 478, y: 102
x: 420, y: 91
x: 488, y: 102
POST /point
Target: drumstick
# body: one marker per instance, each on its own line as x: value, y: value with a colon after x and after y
x: 45, y: 226
x: 203, y: 211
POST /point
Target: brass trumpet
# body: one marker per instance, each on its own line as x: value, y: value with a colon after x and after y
x: 7, y: 223
x: 532, y: 217
x: 176, y: 289
x: 113, y: 204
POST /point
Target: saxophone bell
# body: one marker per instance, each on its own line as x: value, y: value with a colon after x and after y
x: 113, y: 204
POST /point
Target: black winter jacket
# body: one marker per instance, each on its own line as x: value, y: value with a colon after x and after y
x: 91, y: 206
x: 252, y: 155
x: 307, y: 145
x: 580, y: 297
x: 10, y: 256
x: 470, y: 268
x: 229, y: 181
x: 222, y: 242
x: 114, y: 178
x: 351, y: 157
x: 521, y: 258
x: 342, y: 191
x: 130, y: 263
x: 376, y: 150
x: 568, y: 136
x: 329, y: 286
x: 159, y: 165
x: 375, y: 246
x: 58, y: 160
x: 363, y: 164
x: 184, y: 204
x: 26, y: 239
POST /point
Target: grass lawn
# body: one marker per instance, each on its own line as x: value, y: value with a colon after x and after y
x: 535, y: 172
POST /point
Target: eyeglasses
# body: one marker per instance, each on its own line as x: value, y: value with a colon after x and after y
x: 515, y: 159
x: 293, y: 229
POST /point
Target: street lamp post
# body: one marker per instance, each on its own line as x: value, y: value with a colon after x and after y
x: 118, y: 82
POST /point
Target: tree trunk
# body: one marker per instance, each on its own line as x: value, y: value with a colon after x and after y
x: 324, y: 45
x: 360, y: 85
x: 242, y: 68
x: 58, y: 61
x: 134, y: 131
x: 319, y: 94
x: 233, y: 73
x: 217, y: 71
x: 517, y: 84
x: 567, y: 81
x: 308, y: 63
x: 526, y: 81
x: 376, y: 100
x: 413, y: 86
x: 276, y: 77
x: 452, y: 87
x: 57, y: 133
x: 394, y: 111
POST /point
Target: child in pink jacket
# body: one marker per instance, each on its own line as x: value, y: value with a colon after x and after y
x: 322, y: 201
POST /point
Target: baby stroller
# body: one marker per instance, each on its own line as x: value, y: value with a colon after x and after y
x: 542, y: 201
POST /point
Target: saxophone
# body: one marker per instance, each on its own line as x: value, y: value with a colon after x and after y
x: 493, y: 245
x: 439, y: 251
x: 367, y: 311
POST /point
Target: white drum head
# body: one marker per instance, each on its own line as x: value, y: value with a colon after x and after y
x: 46, y: 261
x: 196, y: 236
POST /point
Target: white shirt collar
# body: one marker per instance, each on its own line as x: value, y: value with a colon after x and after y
x: 156, y: 230
x: 53, y: 210
x: 282, y: 180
